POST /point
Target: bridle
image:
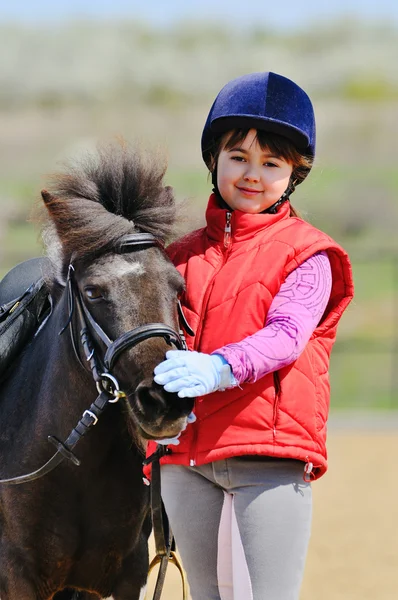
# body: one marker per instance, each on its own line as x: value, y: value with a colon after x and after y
x: 107, y: 385
x: 109, y: 393
x: 89, y: 328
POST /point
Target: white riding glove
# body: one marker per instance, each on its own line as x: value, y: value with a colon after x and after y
x: 192, y: 374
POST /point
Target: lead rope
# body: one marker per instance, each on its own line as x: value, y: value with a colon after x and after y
x: 164, y: 539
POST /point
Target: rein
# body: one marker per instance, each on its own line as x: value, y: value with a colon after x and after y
x: 163, y: 536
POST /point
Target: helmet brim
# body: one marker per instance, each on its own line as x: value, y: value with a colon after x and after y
x: 298, y: 139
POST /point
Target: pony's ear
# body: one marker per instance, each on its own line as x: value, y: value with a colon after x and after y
x: 47, y: 197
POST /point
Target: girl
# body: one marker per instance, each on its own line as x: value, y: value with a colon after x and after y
x: 264, y: 294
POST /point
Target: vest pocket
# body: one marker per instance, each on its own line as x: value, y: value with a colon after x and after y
x: 277, y: 386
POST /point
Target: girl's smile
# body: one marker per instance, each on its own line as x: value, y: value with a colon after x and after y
x: 248, y: 191
x: 250, y: 178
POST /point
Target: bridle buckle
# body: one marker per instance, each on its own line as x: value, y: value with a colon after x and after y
x: 90, y: 413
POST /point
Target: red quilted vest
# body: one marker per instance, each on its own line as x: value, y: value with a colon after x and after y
x: 231, y: 281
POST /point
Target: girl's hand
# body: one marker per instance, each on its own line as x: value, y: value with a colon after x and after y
x: 192, y: 374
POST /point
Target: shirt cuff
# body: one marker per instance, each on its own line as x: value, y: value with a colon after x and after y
x: 227, y: 379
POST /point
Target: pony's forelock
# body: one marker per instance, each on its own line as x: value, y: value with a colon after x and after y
x: 102, y: 197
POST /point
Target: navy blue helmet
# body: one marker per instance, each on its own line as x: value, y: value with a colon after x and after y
x: 264, y: 101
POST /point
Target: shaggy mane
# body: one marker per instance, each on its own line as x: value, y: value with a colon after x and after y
x: 116, y: 191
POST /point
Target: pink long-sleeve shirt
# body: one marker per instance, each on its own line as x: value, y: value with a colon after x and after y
x: 292, y: 318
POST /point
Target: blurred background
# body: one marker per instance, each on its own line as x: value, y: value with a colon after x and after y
x: 73, y: 73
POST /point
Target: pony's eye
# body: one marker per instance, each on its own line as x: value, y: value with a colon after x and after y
x: 93, y: 293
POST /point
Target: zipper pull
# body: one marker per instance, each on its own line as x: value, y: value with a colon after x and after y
x: 227, y: 230
x: 308, y: 471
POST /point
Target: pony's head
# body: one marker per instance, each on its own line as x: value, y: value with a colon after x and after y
x: 95, y: 209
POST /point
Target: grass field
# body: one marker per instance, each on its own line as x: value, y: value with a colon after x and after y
x: 353, y: 548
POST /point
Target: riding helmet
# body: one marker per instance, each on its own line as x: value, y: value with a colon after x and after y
x: 265, y: 101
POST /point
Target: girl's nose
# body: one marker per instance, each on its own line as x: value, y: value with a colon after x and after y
x: 251, y: 173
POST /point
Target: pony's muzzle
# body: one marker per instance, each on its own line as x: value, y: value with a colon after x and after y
x: 160, y: 414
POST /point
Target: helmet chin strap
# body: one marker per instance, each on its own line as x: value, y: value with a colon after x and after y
x: 271, y: 209
x: 214, y: 183
x: 285, y: 196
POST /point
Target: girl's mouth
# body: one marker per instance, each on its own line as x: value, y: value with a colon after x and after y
x: 248, y: 191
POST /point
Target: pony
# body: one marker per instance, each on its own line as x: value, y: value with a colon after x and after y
x: 82, y: 531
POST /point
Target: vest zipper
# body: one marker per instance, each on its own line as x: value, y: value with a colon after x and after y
x: 227, y: 247
x: 227, y: 230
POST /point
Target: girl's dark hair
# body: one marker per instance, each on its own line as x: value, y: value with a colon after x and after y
x: 276, y: 144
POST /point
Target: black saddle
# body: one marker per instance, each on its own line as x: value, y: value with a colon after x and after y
x: 20, y: 317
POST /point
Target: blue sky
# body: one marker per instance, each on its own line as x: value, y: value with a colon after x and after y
x: 287, y: 13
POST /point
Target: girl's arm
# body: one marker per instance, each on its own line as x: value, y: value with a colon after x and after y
x: 292, y: 318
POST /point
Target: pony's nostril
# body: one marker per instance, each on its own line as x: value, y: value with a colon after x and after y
x: 150, y: 397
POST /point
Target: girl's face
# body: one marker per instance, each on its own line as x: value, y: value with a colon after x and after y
x: 249, y: 178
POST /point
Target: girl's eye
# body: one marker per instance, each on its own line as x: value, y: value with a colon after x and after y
x: 270, y: 164
x: 238, y: 158
x: 93, y: 293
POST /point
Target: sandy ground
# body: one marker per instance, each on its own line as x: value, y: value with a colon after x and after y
x: 354, y: 545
